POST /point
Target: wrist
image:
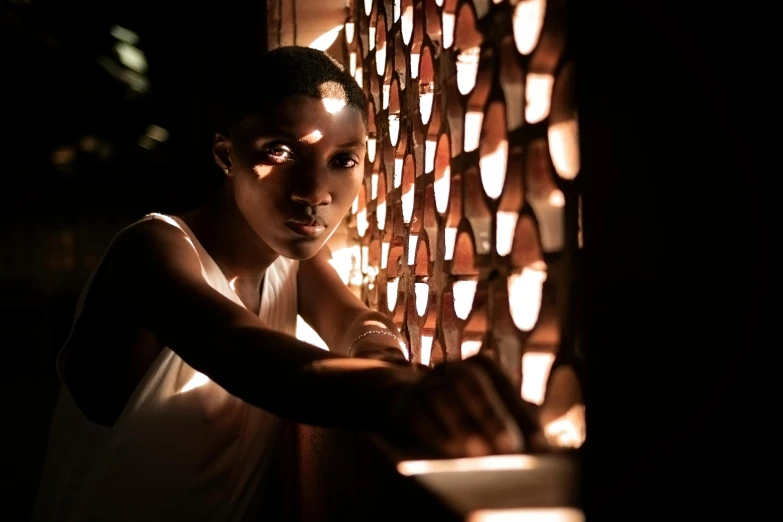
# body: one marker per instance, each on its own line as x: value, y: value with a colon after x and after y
x: 377, y: 340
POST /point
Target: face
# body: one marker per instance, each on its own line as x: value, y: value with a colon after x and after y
x: 295, y: 170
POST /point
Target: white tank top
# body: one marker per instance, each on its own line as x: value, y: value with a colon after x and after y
x: 183, y: 448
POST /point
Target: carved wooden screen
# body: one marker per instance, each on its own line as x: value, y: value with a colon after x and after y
x: 469, y: 217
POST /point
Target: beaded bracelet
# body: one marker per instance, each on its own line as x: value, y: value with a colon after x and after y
x: 370, y: 332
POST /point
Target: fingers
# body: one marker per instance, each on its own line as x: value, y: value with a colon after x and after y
x: 469, y: 416
x: 524, y: 413
x: 462, y: 431
x: 480, y: 399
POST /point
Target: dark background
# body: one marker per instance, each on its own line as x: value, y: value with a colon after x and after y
x: 677, y: 118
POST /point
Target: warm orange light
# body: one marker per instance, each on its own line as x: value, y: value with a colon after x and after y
x: 362, y: 223
x: 426, y: 349
x: 569, y: 430
x: 467, y: 69
x: 527, y: 20
x: 426, y: 97
x: 391, y: 293
x: 429, y: 155
x: 394, y: 129
x: 412, y: 240
x: 524, y: 295
x: 373, y: 185
x: 473, y: 122
x: 398, y: 163
x: 449, y: 23
x: 560, y: 514
x: 535, y: 373
x: 538, y: 89
x: 564, y: 148
x: 464, y: 292
x: 504, y: 237
x: 380, y: 58
x: 315, y: 136
x: 422, y: 292
x: 406, y: 25
x: 411, y: 468
x: 450, y: 237
x: 469, y: 348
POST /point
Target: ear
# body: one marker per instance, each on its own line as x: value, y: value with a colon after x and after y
x: 221, y: 151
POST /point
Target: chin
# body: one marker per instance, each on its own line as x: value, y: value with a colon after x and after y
x: 301, y: 250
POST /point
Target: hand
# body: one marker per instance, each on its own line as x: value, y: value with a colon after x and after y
x: 460, y: 409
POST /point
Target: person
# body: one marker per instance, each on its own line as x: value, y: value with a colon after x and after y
x: 183, y: 360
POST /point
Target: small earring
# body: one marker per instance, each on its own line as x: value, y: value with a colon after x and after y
x: 225, y: 171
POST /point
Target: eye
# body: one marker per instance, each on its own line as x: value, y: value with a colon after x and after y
x: 279, y: 153
x: 345, y: 162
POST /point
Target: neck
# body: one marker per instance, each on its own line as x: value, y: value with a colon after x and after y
x: 225, y: 234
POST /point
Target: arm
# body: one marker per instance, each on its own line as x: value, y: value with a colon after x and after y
x: 153, y: 269
x: 345, y: 324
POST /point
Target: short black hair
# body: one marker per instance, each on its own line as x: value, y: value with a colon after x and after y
x: 282, y: 72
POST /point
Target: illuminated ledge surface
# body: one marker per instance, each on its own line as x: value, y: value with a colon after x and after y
x: 502, y: 488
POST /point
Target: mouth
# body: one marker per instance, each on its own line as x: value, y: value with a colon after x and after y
x: 310, y: 227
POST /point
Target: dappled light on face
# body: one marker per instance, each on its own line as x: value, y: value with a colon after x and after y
x: 333, y: 105
x: 333, y: 96
x: 313, y: 137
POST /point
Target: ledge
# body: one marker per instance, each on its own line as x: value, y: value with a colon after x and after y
x: 351, y: 476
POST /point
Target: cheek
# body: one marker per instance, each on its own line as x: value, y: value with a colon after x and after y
x: 349, y: 187
x: 252, y: 191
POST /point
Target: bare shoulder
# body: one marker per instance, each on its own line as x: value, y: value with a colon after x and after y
x: 111, y: 344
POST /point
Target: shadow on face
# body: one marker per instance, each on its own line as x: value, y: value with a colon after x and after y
x: 295, y: 167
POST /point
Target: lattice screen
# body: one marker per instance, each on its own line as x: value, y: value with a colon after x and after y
x: 469, y: 218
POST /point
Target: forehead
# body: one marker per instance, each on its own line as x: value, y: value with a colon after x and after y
x: 298, y: 116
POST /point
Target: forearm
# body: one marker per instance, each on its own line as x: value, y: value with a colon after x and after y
x: 300, y: 382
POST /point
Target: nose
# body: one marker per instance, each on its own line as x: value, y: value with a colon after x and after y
x: 311, y: 188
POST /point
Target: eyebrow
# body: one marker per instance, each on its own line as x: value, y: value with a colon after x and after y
x: 355, y: 144
x: 351, y: 145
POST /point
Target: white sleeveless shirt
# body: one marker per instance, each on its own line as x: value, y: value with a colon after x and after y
x: 183, y: 449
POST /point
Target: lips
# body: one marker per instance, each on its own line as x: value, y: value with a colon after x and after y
x: 309, y: 227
